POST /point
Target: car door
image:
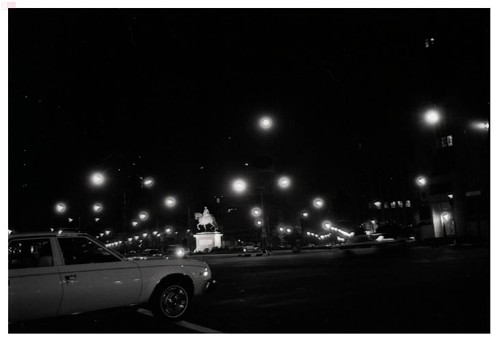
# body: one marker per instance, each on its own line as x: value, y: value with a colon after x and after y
x: 35, y: 289
x: 94, y: 278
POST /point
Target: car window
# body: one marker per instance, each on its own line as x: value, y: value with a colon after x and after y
x: 80, y: 250
x: 24, y: 253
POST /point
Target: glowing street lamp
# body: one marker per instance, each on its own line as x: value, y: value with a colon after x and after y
x: 326, y: 224
x: 256, y: 212
x: 284, y: 182
x: 288, y: 230
x: 239, y: 186
x: 148, y: 182
x: 266, y: 123
x: 304, y: 214
x: 432, y: 117
x: 143, y: 215
x: 281, y: 229
x: 134, y: 223
x: 60, y: 208
x: 97, y: 207
x: 97, y: 179
x: 259, y: 222
x: 170, y: 201
x: 421, y: 180
x: 318, y: 203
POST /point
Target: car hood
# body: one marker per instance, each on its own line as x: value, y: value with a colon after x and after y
x: 170, y: 262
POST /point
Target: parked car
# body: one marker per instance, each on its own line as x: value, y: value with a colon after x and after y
x: 54, y: 274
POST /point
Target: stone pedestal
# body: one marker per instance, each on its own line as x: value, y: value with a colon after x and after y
x: 208, y: 240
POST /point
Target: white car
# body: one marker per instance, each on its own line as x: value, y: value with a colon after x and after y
x: 55, y: 274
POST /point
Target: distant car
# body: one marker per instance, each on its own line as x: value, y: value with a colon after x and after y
x: 55, y: 274
x: 153, y: 254
x: 176, y: 251
x: 249, y: 250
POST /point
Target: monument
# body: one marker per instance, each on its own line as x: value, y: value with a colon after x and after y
x: 208, y: 236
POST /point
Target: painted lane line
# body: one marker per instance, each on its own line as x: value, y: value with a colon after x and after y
x: 184, y: 324
x: 196, y: 327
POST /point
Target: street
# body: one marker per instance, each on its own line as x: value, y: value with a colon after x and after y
x: 395, y: 289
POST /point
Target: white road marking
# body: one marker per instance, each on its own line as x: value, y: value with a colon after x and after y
x: 184, y: 324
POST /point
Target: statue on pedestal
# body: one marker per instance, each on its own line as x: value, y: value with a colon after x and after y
x: 206, y: 219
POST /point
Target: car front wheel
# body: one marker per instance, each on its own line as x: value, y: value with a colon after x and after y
x: 171, y: 301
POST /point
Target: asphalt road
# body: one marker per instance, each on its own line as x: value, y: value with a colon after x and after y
x: 371, y: 290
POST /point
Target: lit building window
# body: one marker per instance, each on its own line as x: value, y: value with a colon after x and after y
x: 400, y: 204
x: 429, y: 42
x: 408, y: 204
x: 393, y: 205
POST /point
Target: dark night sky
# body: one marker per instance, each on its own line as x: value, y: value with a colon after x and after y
x: 173, y: 90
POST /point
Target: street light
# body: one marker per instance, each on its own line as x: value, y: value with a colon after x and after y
x: 97, y: 207
x: 134, y: 223
x: 284, y: 182
x: 432, y: 117
x: 148, y: 182
x: 266, y: 123
x: 143, y: 215
x: 304, y: 214
x: 239, y: 186
x: 326, y: 224
x: 170, y: 201
x: 256, y: 212
x: 421, y: 180
x: 318, y: 203
x: 97, y: 179
x: 60, y: 208
x: 259, y: 222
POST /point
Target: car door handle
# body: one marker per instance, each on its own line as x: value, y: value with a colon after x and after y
x: 70, y: 278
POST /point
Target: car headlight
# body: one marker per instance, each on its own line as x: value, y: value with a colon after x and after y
x: 179, y: 252
x: 205, y: 272
x: 244, y: 249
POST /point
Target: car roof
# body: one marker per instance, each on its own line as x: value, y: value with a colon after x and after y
x: 46, y: 234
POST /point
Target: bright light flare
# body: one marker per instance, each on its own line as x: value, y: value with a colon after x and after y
x: 143, y: 215
x: 421, y: 181
x: 284, y: 182
x: 61, y: 208
x: 266, y: 123
x: 256, y: 212
x: 97, y: 179
x: 481, y: 126
x: 148, y: 182
x: 97, y: 207
x: 432, y: 117
x: 259, y: 222
x: 239, y: 186
x: 318, y: 203
x: 170, y: 201
x: 326, y: 224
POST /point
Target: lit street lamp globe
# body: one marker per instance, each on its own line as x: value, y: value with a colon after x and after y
x: 97, y: 207
x: 318, y: 203
x: 256, y: 212
x: 284, y: 182
x: 327, y: 224
x: 143, y: 215
x: 170, y: 201
x: 281, y: 229
x: 239, y: 186
x: 134, y: 223
x: 304, y: 214
x: 288, y: 230
x: 266, y: 123
x: 259, y: 223
x: 148, y: 182
x: 432, y: 117
x: 421, y: 181
x: 97, y: 179
x: 60, y: 208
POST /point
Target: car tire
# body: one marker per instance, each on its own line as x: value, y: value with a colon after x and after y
x: 171, y: 301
